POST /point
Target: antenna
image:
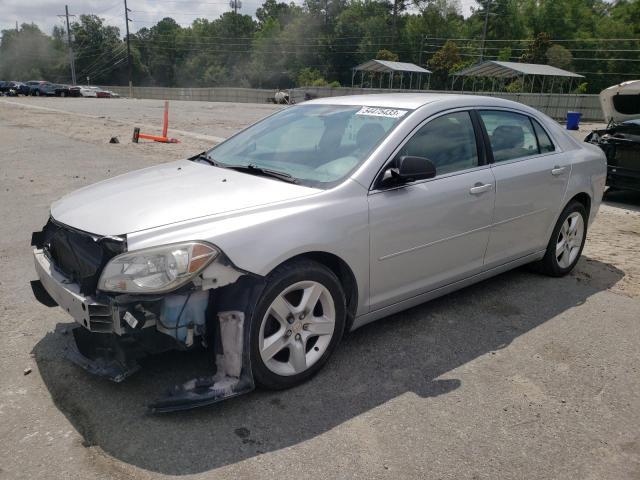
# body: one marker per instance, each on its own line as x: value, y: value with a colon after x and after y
x: 235, y: 4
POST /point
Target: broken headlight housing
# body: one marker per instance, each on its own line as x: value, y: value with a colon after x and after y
x: 156, y: 269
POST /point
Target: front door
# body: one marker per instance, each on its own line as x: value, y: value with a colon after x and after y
x: 429, y: 233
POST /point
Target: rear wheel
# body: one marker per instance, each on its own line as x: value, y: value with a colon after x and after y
x: 297, y: 325
x: 566, y: 243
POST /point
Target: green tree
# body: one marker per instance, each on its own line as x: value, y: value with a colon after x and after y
x: 311, y: 77
x: 29, y: 54
x: 99, y: 50
x: 384, y: 54
x: 536, y: 51
x: 505, y: 54
x: 560, y: 57
x: 443, y: 62
x: 280, y: 11
x: 269, y: 66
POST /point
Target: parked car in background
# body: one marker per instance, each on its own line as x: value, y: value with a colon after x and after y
x: 314, y: 221
x: 19, y: 87
x: 75, y: 91
x: 7, y: 89
x: 100, y: 93
x: 60, y: 90
x: 620, y: 141
x: 112, y: 94
x: 39, y: 87
x: 86, y: 91
x: 48, y: 90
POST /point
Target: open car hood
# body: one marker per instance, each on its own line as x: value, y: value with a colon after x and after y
x: 621, y: 102
x: 165, y: 194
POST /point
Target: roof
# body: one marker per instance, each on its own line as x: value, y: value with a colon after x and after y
x: 387, y: 66
x: 411, y: 100
x: 495, y: 68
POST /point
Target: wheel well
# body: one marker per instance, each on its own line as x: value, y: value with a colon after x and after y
x: 344, y: 273
x: 584, y: 199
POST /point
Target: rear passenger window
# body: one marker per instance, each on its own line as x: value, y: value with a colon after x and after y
x: 544, y: 142
x: 448, y: 141
x: 511, y: 135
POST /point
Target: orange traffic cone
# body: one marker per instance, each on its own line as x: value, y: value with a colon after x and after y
x: 156, y: 138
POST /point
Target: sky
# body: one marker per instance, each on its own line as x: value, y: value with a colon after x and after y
x: 145, y: 13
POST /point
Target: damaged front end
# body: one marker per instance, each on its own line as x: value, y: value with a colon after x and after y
x: 130, y: 305
x: 621, y: 144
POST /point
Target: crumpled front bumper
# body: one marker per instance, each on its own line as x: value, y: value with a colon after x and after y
x: 87, y: 311
x: 104, y: 345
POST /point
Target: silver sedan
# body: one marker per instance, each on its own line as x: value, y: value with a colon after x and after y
x: 314, y: 221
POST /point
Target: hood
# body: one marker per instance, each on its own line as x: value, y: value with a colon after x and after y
x: 165, y: 194
x: 621, y: 102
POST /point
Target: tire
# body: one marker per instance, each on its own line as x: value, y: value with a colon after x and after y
x: 276, y: 363
x: 560, y: 264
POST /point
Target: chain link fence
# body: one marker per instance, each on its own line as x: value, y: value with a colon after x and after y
x: 555, y: 105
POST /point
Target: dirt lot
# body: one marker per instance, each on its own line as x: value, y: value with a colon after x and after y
x: 521, y: 376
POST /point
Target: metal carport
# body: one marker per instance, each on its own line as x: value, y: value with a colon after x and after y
x: 383, y: 67
x: 502, y: 71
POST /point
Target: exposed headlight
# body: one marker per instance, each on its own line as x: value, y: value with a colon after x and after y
x: 157, y: 269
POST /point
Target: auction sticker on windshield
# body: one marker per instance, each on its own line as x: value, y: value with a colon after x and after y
x: 381, y: 112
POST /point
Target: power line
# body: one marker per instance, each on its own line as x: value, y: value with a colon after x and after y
x: 109, y: 68
x: 114, y: 53
x: 558, y: 40
x: 574, y: 58
x: 101, y: 68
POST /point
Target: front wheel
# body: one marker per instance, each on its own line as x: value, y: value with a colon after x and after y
x: 298, y: 323
x: 567, y: 241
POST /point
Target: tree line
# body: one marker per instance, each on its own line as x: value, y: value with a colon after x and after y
x: 317, y: 43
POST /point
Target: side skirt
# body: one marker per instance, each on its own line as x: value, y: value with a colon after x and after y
x: 439, y: 292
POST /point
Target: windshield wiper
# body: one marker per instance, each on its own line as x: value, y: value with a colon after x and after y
x: 206, y: 158
x: 267, y: 172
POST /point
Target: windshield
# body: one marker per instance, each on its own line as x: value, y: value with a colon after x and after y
x: 318, y: 145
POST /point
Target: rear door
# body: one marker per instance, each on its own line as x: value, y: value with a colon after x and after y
x: 429, y: 233
x: 531, y: 179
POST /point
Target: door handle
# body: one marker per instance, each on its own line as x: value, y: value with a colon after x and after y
x: 478, y: 188
x: 558, y: 170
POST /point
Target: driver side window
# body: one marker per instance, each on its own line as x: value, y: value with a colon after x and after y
x: 449, y: 141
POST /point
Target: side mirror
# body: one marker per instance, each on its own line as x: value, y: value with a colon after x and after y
x: 410, y: 169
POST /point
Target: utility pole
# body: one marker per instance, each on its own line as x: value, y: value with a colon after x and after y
x: 126, y: 18
x: 71, y: 60
x: 487, y: 6
x: 394, y: 28
x: 235, y: 4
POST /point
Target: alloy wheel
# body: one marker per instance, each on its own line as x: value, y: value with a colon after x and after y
x: 570, y: 240
x: 297, y: 328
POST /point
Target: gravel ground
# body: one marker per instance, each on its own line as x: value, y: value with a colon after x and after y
x: 520, y: 376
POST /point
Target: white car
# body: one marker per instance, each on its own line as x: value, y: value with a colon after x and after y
x: 316, y: 220
x: 88, y: 91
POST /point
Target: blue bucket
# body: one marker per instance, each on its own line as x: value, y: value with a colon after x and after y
x: 573, y: 120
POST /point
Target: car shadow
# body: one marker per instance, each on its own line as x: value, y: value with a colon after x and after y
x: 406, y: 353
